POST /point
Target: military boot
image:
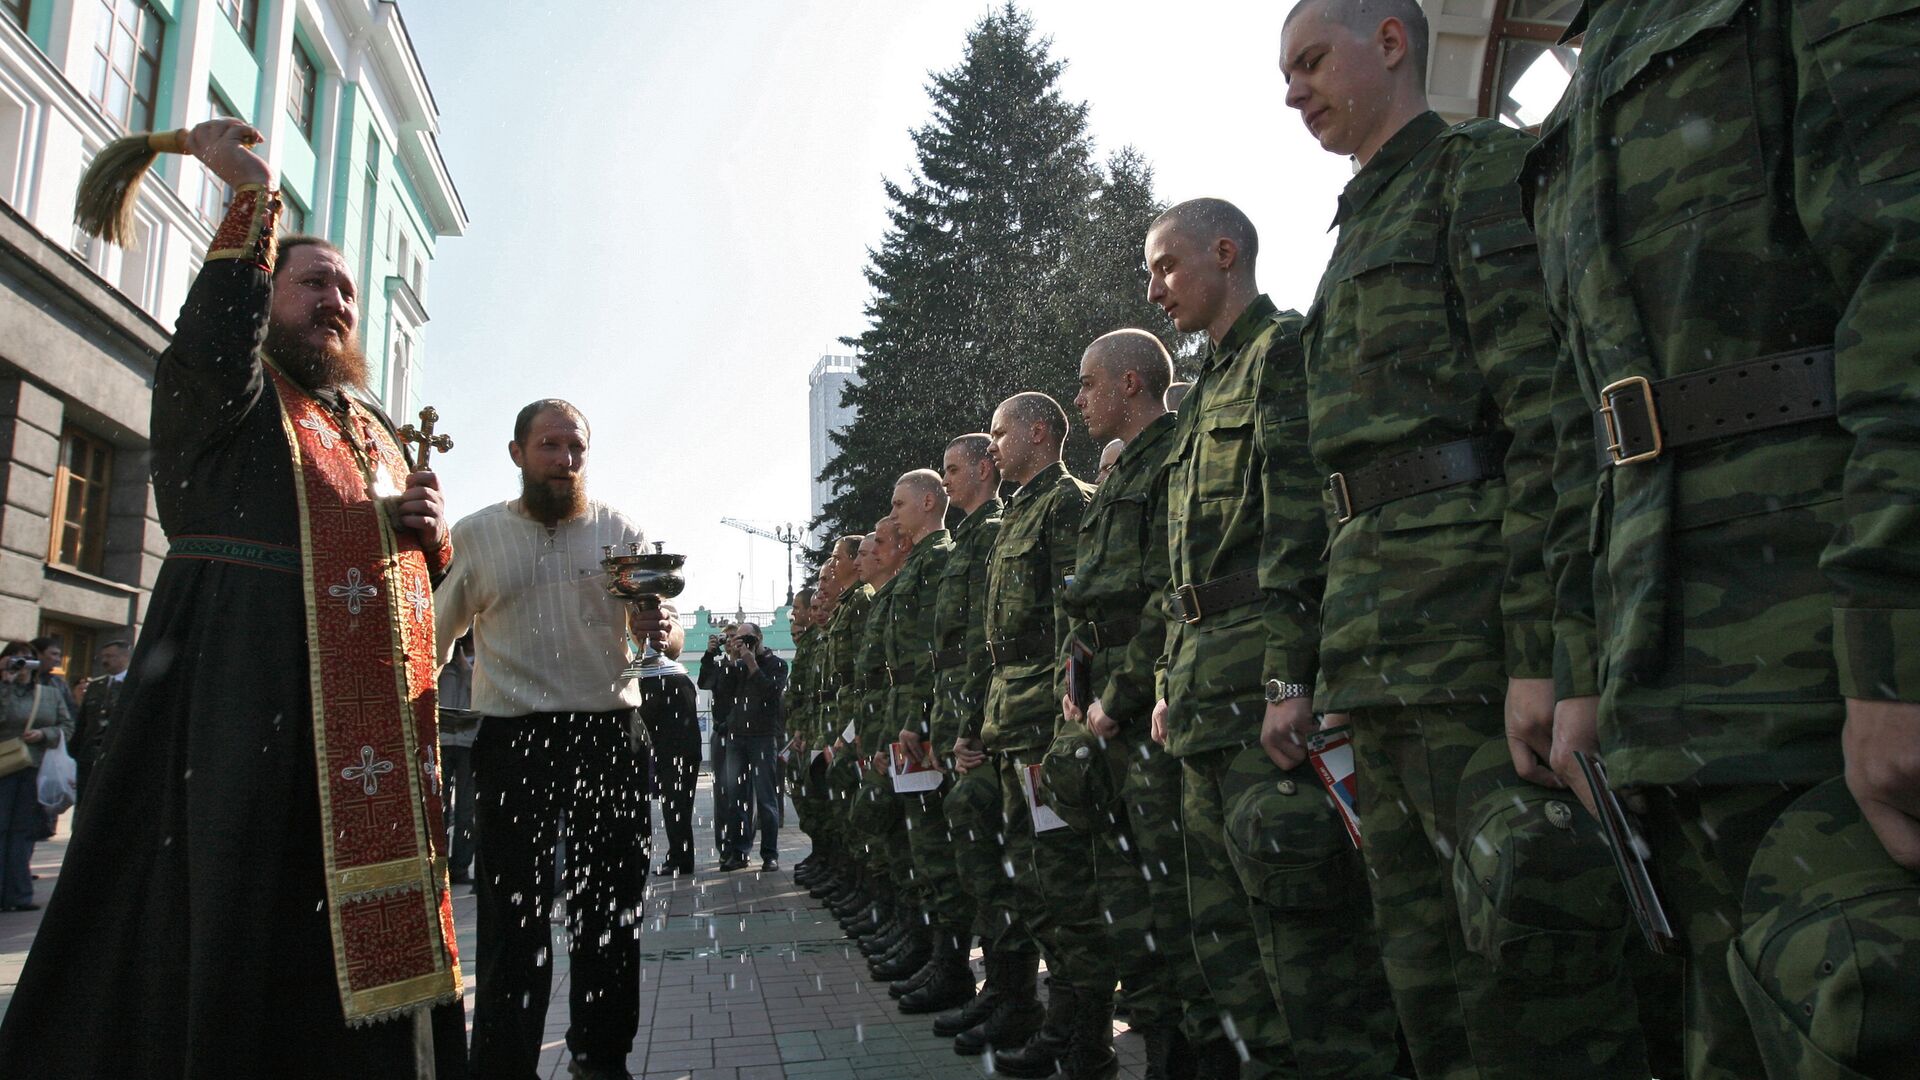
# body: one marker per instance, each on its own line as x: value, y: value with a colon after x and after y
x: 1016, y: 1009
x: 1090, y: 1053
x: 1169, y: 1057
x: 1215, y: 1059
x: 915, y: 947
x: 900, y: 988
x: 949, y: 979
x: 1043, y: 1053
x: 975, y: 1010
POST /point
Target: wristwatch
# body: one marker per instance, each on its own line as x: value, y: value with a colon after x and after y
x: 1278, y: 691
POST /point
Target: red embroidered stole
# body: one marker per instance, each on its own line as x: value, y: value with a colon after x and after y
x: 369, y: 604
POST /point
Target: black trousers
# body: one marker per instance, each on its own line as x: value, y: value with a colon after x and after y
x: 530, y: 774
x: 669, y: 706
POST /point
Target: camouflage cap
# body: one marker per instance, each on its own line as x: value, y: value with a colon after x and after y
x: 1284, y: 835
x: 1081, y: 777
x: 1531, y: 863
x: 1828, y: 963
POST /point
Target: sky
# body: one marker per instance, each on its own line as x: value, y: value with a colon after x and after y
x: 672, y: 205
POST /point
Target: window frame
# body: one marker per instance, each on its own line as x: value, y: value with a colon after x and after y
x: 244, y: 17
x: 303, y: 91
x: 20, y: 10
x: 106, y: 71
x: 90, y: 548
x: 209, y: 183
x: 1506, y: 28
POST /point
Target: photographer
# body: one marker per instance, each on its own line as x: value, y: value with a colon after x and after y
x: 39, y: 718
x: 716, y: 678
x: 755, y: 726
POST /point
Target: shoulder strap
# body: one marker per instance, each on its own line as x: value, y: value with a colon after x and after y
x: 33, y: 711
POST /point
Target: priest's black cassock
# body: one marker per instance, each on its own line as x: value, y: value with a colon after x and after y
x: 190, y: 934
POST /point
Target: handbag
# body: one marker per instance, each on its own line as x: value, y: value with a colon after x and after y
x: 14, y: 756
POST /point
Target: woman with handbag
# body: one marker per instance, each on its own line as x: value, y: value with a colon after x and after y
x: 31, y: 720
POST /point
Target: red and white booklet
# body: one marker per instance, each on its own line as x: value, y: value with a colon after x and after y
x: 912, y: 772
x: 1331, y: 752
x: 1044, y: 819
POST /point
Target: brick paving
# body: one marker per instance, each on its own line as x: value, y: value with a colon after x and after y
x: 744, y: 977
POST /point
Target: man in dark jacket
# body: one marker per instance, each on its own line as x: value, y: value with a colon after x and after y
x: 715, y: 667
x: 755, y: 729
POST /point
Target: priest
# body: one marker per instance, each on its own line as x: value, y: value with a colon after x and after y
x: 260, y: 889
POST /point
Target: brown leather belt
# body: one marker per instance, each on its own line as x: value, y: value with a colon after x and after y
x: 1036, y: 645
x: 1112, y: 634
x: 1639, y: 419
x: 905, y: 673
x: 949, y: 658
x: 875, y: 679
x: 1417, y: 472
x: 1191, y: 603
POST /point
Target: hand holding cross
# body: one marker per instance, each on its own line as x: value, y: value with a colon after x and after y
x: 429, y: 442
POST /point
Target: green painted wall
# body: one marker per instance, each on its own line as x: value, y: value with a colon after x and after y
x: 236, y: 72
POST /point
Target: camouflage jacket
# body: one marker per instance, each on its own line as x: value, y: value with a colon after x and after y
x: 840, y: 694
x: 909, y: 645
x: 802, y: 717
x: 1118, y: 596
x: 1243, y: 496
x: 1025, y: 625
x: 960, y: 630
x: 1726, y: 181
x: 870, y: 715
x: 1430, y: 327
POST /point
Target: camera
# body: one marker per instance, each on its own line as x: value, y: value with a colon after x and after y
x: 749, y: 642
x: 20, y: 663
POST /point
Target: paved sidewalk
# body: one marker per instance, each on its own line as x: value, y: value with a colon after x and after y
x: 744, y: 977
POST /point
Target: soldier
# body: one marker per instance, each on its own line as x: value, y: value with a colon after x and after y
x: 802, y: 681
x: 1026, y: 632
x: 916, y: 528
x: 818, y: 733
x: 1429, y: 358
x: 874, y: 813
x: 853, y: 599
x: 963, y: 861
x: 1129, y: 785
x: 1725, y: 199
x: 1245, y: 536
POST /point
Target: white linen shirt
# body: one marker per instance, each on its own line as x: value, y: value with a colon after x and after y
x: 547, y: 636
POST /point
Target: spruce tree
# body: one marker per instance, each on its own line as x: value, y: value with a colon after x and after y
x: 1007, y: 251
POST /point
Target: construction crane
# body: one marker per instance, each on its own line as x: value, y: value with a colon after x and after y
x: 779, y: 534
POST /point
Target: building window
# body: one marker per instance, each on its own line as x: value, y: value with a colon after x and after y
x: 215, y: 194
x: 16, y: 10
x: 77, y: 645
x: 300, y: 90
x: 293, y: 216
x: 126, y: 62
x: 402, y: 375
x: 1526, y: 71
x: 244, y: 15
x: 80, y: 501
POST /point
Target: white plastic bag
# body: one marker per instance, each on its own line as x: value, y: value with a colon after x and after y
x: 58, y: 775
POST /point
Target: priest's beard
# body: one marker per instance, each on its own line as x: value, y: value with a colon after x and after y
x: 548, y: 506
x: 338, y: 365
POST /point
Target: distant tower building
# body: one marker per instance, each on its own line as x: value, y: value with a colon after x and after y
x: 825, y: 414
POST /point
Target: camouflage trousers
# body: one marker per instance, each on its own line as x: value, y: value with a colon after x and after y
x: 1569, y: 1010
x: 1223, y: 940
x: 973, y: 809
x: 873, y: 815
x: 930, y: 839
x: 1146, y: 848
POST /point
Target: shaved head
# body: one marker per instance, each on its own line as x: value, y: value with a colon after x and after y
x: 1033, y: 407
x: 1138, y: 352
x: 972, y: 445
x: 1363, y: 17
x: 847, y: 547
x: 1203, y: 221
x: 923, y: 482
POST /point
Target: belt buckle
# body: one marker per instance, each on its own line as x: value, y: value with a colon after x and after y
x: 891, y: 681
x: 1609, y: 419
x: 1342, y: 498
x: 993, y: 653
x: 1189, y: 600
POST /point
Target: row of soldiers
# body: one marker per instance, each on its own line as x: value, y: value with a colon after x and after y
x: 1603, y: 441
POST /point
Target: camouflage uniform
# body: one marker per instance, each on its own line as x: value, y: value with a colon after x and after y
x: 967, y: 806
x: 842, y: 700
x: 874, y: 814
x: 1429, y: 336
x: 802, y: 718
x: 1726, y: 182
x: 909, y: 695
x: 1242, y: 499
x: 1135, y: 863
x: 1026, y: 630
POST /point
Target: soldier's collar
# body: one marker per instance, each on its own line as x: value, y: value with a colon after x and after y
x: 1245, y: 328
x: 1150, y: 436
x: 1387, y: 163
x: 1052, y: 472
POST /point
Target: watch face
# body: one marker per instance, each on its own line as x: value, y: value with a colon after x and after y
x: 1274, y: 691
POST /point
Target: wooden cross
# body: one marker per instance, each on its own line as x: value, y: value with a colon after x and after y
x: 429, y: 442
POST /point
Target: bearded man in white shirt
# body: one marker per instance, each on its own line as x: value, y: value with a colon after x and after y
x: 553, y: 747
